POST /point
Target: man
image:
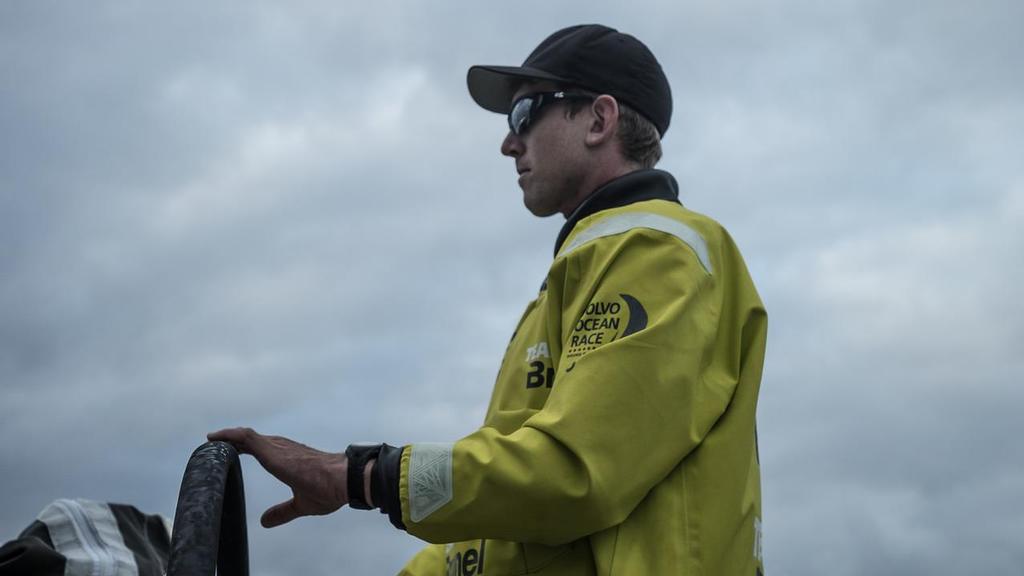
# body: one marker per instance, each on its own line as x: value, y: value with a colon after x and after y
x: 620, y: 436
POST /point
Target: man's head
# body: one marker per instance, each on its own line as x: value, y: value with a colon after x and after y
x: 588, y: 104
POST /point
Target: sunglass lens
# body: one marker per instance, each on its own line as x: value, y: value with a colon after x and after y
x: 519, y: 116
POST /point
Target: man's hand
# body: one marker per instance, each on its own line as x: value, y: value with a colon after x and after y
x: 319, y: 480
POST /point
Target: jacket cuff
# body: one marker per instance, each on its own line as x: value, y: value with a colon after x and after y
x: 384, y: 478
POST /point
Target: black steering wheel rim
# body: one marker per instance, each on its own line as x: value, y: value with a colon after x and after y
x: 209, y: 535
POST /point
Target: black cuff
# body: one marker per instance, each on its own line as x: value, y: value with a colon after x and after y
x: 384, y: 484
x: 358, y: 455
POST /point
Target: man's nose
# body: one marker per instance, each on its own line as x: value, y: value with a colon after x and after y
x: 512, y: 145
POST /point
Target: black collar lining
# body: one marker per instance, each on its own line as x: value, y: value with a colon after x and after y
x: 638, y: 186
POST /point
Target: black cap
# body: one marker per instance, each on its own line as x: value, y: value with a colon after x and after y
x: 589, y: 56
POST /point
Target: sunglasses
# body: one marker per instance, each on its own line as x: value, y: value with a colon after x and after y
x: 524, y: 110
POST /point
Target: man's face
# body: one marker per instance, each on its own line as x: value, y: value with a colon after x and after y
x: 549, y: 156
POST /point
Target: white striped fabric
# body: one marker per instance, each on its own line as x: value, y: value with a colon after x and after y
x: 87, y: 534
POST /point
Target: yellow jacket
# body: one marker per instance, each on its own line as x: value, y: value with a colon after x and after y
x: 620, y: 437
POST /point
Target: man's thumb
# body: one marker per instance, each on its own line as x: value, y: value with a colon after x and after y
x: 279, y: 514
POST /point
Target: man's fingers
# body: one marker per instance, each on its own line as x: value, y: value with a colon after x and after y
x: 240, y: 438
x: 274, y: 453
x: 279, y: 514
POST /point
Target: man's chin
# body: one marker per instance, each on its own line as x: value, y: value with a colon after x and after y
x: 539, y: 211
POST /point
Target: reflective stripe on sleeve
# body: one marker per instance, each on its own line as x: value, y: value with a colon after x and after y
x: 430, y: 479
x: 625, y: 222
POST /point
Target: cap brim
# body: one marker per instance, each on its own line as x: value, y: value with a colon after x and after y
x: 492, y: 87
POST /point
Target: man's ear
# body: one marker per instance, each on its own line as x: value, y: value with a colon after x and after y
x: 605, y: 120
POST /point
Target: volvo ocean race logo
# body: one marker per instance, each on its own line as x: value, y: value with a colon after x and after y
x: 604, y: 322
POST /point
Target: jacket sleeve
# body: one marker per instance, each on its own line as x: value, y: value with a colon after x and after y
x: 618, y: 419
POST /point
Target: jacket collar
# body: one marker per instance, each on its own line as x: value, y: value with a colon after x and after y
x: 638, y: 186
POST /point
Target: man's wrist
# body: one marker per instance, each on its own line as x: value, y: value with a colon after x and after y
x: 368, y: 484
x: 337, y: 468
x: 359, y: 456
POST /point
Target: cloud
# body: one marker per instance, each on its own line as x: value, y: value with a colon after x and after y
x: 296, y: 219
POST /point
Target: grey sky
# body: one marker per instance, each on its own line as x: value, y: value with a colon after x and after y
x: 294, y: 217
